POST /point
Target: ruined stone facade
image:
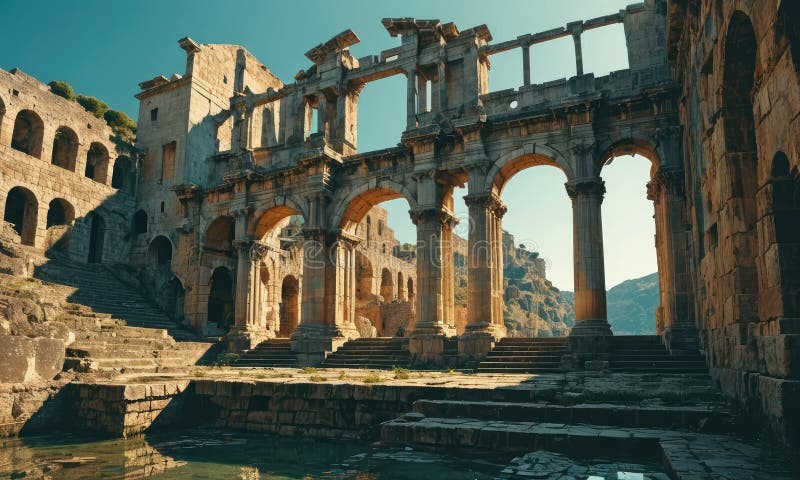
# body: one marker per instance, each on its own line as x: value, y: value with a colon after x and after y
x: 230, y: 154
x: 64, y: 184
x: 737, y: 63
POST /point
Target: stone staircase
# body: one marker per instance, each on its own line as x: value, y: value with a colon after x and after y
x: 647, y: 354
x: 275, y: 352
x: 525, y: 355
x: 96, y: 287
x: 378, y: 353
x: 105, y: 344
x: 694, y: 439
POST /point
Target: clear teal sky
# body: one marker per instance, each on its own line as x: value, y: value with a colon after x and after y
x: 105, y: 48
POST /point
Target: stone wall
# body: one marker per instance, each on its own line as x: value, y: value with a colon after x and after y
x: 740, y: 104
x: 35, y: 175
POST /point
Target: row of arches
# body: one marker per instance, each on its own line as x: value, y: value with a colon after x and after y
x: 28, y: 137
x: 21, y: 210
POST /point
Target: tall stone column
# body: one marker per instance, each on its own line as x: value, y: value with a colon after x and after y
x: 676, y: 320
x: 427, y: 339
x: 327, y: 296
x: 246, y: 332
x: 485, y: 323
x: 587, y: 236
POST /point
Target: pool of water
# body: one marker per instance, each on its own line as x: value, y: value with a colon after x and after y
x: 212, y: 454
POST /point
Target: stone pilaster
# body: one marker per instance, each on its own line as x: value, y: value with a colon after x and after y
x: 590, y: 285
x: 247, y: 332
x: 327, y: 317
x: 485, y: 323
x: 434, y: 310
x: 675, y: 317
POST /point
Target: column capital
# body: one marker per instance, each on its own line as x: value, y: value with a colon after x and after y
x: 586, y: 186
x: 424, y: 215
x: 488, y: 200
x: 344, y: 237
x: 669, y: 180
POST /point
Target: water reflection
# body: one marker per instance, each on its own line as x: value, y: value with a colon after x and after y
x: 207, y: 454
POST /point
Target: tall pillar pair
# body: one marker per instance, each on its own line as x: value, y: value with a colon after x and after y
x: 485, y: 323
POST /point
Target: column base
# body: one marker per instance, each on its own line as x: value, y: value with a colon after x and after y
x: 589, y: 340
x: 312, y: 343
x: 479, y: 340
x: 681, y: 337
x: 427, y: 349
x: 242, y: 338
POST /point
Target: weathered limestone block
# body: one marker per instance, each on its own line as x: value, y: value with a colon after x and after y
x: 29, y: 360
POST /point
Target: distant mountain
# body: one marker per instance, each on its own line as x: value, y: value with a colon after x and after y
x: 631, y: 305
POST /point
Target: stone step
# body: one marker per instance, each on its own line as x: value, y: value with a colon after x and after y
x: 367, y: 366
x: 519, y: 370
x: 706, y: 418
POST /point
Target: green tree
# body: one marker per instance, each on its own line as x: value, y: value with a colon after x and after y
x: 62, y: 89
x: 92, y: 104
x: 121, y: 124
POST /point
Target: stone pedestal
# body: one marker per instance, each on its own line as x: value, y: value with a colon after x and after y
x: 313, y: 342
x: 427, y: 349
x: 245, y: 337
x: 475, y: 343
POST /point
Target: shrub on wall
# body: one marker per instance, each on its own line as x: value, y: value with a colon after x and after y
x: 62, y: 89
x: 92, y: 104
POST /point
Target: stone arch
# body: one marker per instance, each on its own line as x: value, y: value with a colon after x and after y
x: 2, y: 114
x: 513, y: 162
x: 220, y: 298
x: 159, y: 253
x: 789, y: 25
x: 22, y: 211
x: 97, y: 162
x: 780, y: 166
x: 630, y: 146
x: 139, y: 222
x: 122, y: 177
x: 97, y: 235
x: 28, y: 133
x: 65, y: 149
x: 387, y: 285
x: 739, y: 164
x: 364, y: 277
x: 220, y: 234
x: 350, y: 208
x: 411, y: 290
x: 60, y: 212
x: 174, y: 299
x: 290, y: 305
x: 268, y: 220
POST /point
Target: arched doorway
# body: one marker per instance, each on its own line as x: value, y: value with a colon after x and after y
x: 97, y: 163
x: 387, y: 286
x: 60, y: 212
x: 174, y: 299
x: 159, y: 254
x: 60, y: 215
x: 220, y: 299
x: 219, y: 236
x: 503, y: 271
x: 122, y: 177
x: 737, y: 209
x: 97, y: 235
x: 411, y: 290
x: 28, y: 133
x: 139, y: 222
x: 22, y: 211
x: 290, y: 306
x: 65, y: 149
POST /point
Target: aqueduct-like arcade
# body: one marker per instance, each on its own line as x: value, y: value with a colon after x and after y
x: 269, y: 163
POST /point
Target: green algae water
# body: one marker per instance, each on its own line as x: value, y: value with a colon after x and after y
x: 210, y: 454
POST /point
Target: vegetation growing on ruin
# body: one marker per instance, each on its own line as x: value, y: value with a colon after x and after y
x: 121, y: 124
x: 62, y: 89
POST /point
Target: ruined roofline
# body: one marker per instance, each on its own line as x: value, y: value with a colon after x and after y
x: 161, y: 83
x: 571, y: 28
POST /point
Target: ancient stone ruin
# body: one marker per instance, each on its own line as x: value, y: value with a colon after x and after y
x: 243, y: 224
